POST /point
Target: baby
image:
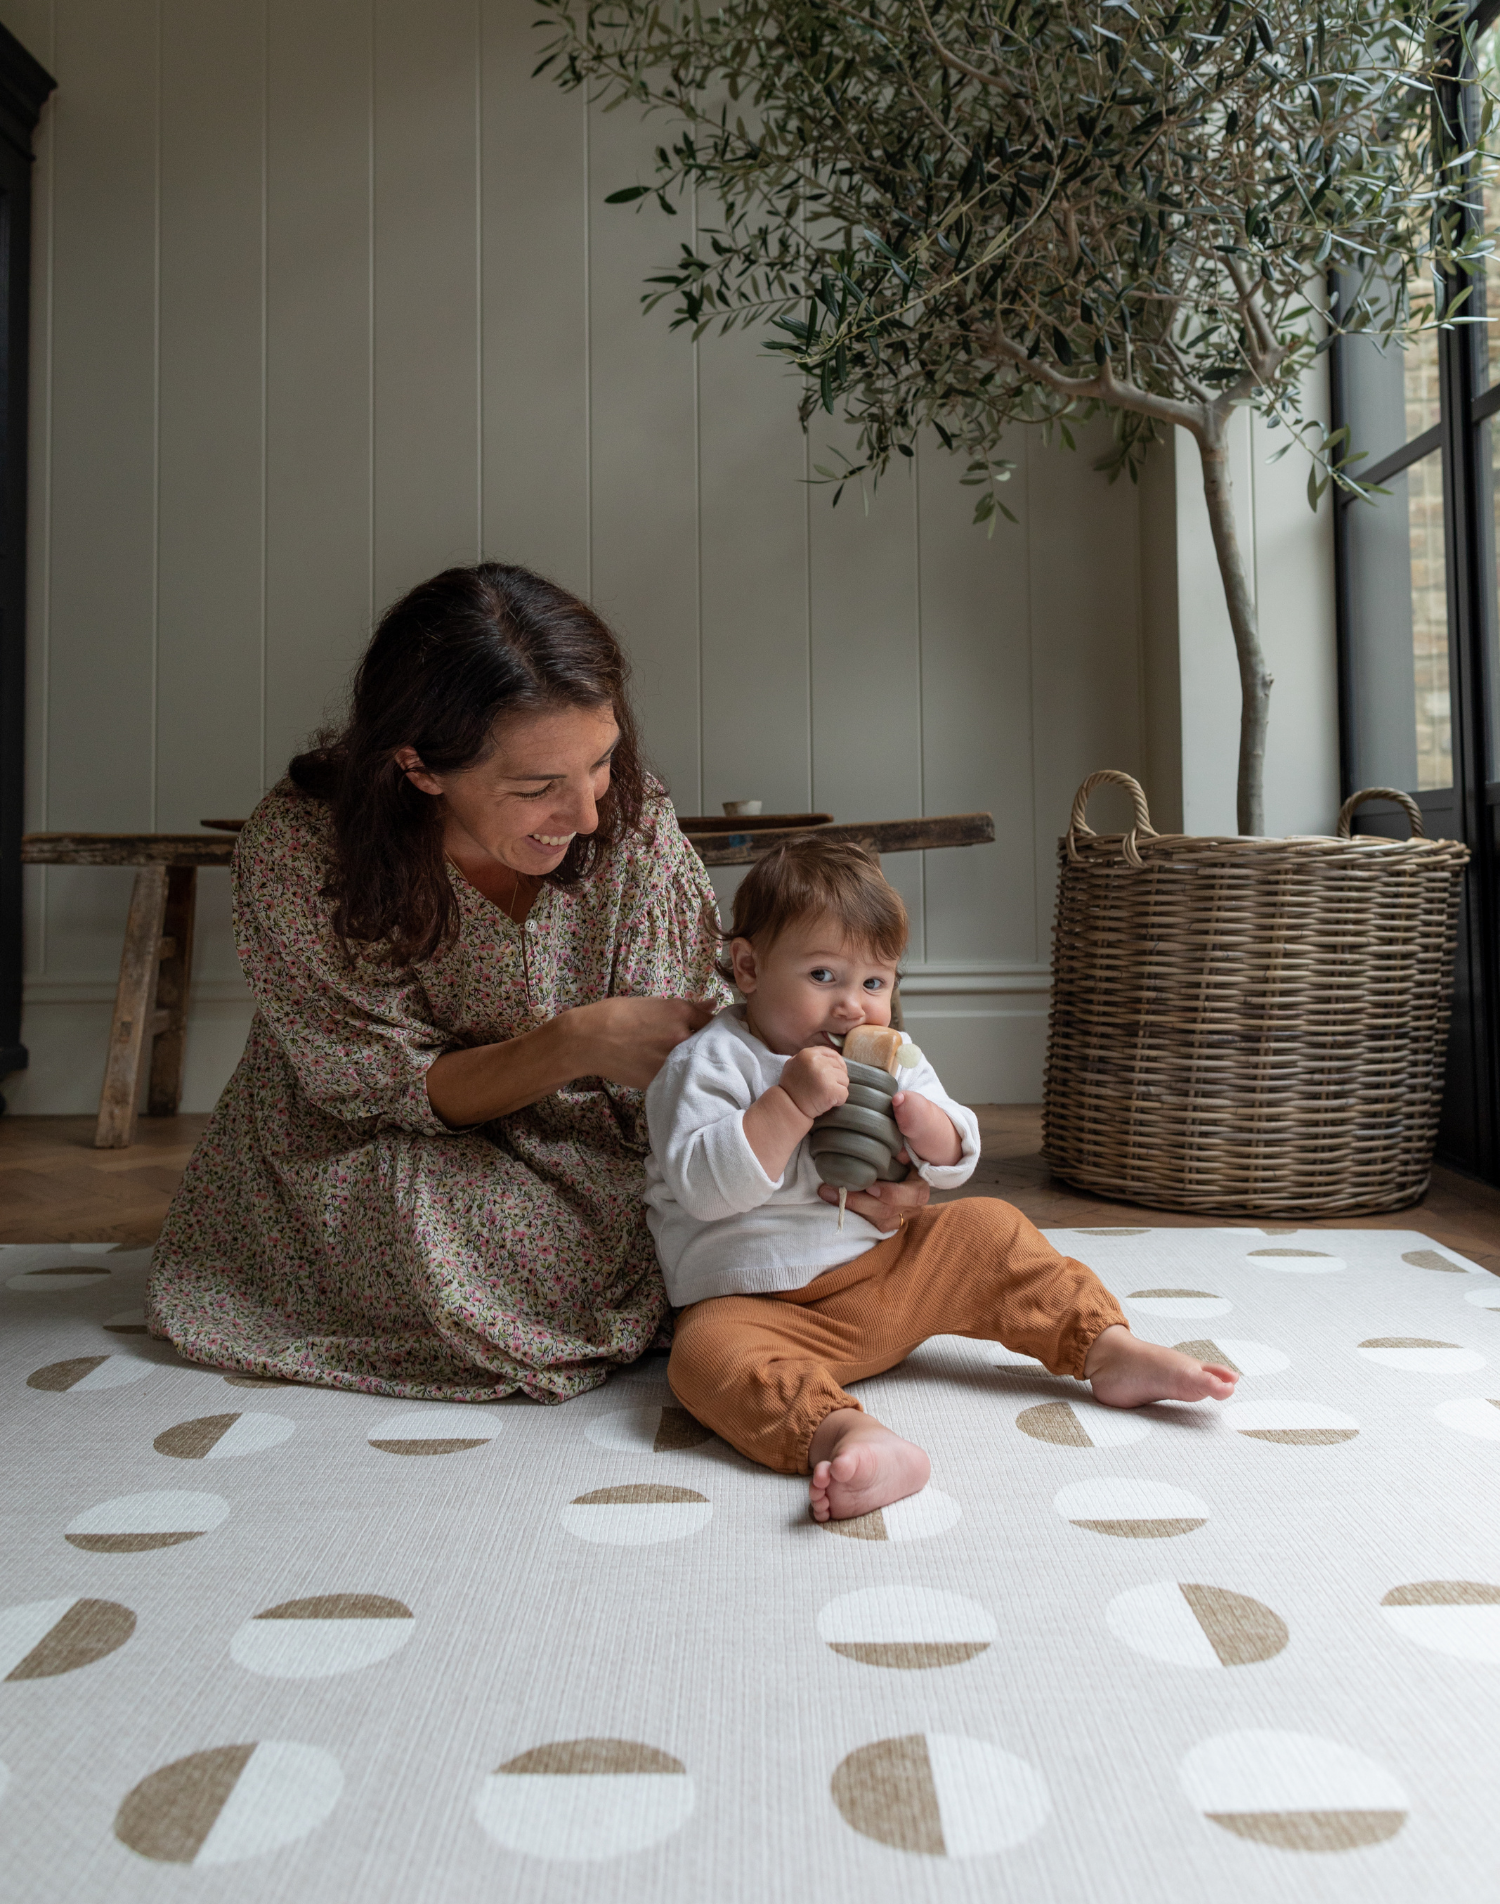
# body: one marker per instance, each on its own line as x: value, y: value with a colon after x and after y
x: 784, y: 1307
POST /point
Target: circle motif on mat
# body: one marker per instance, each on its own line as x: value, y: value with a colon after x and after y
x: 316, y: 1638
x: 1130, y: 1509
x: 46, y: 1637
x: 918, y: 1517
x: 650, y: 1429
x: 1457, y: 1617
x: 1233, y: 1351
x: 1179, y: 1302
x: 257, y: 1381
x: 126, y: 1322
x: 1082, y: 1425
x: 217, y: 1437
x: 229, y: 1803
x: 579, y: 1800
x: 1111, y: 1232
x: 1475, y: 1415
x: 1435, y: 1259
x: 57, y: 1276
x: 85, y: 1374
x: 1187, y: 1625
x: 136, y: 1523
x: 942, y: 1794
x: 1293, y: 1791
x: 1298, y: 1262
x: 637, y: 1515
x: 907, y: 1628
x: 1421, y: 1355
x: 1486, y: 1298
x: 447, y: 1430
x: 1293, y: 1424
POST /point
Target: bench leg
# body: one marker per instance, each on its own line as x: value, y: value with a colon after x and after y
x: 135, y: 1006
x: 164, y: 1092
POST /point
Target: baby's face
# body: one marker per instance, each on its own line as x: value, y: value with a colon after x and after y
x: 811, y: 982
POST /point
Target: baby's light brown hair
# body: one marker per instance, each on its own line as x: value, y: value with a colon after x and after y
x: 806, y: 876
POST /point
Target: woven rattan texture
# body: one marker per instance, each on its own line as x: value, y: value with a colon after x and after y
x: 1249, y: 1026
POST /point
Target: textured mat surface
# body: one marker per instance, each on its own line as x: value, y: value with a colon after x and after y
x: 264, y: 1641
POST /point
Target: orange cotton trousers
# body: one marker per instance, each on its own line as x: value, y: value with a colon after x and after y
x: 763, y: 1371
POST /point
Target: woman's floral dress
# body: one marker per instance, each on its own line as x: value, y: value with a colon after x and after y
x: 331, y: 1228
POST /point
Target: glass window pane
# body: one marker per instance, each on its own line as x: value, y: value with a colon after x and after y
x: 1488, y: 61
x: 1392, y: 394
x: 1489, y: 507
x: 1398, y: 634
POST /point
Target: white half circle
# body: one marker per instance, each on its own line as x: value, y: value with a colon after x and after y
x: 1301, y: 1262
x: 573, y: 1818
x: 1471, y: 1415
x: 988, y: 1800
x: 635, y: 1524
x: 453, y: 1421
x: 1157, y: 1621
x: 1447, y: 1360
x: 920, y: 1516
x: 284, y: 1792
x: 1250, y: 1417
x: 1257, y: 1771
x: 1486, y: 1298
x: 903, y: 1616
x: 1194, y: 1306
x: 316, y: 1649
x: 1462, y: 1632
x: 1122, y: 1498
x: 1253, y: 1358
x: 164, y: 1511
x: 251, y: 1434
x: 115, y: 1371
x: 632, y: 1430
x: 23, y: 1627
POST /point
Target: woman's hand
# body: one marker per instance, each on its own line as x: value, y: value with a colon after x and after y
x: 883, y: 1204
x: 626, y: 1040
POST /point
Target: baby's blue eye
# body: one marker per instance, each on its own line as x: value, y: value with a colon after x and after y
x: 873, y: 984
x: 821, y: 975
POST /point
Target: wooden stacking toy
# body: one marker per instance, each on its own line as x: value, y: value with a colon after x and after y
x: 855, y: 1144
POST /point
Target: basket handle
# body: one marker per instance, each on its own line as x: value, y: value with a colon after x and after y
x: 1413, y: 811
x: 1079, y: 827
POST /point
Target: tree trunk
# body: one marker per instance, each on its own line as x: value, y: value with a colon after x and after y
x: 1255, y: 682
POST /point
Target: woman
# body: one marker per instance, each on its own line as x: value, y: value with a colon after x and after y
x: 474, y: 932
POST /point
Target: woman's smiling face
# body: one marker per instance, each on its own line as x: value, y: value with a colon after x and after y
x: 521, y: 805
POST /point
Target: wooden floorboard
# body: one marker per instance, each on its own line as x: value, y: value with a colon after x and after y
x: 56, y: 1188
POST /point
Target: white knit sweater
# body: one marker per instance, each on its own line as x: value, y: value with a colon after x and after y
x: 722, y: 1226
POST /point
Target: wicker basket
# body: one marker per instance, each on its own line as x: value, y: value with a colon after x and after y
x: 1248, y: 1026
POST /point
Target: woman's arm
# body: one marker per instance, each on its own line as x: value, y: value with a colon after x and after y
x: 625, y: 1040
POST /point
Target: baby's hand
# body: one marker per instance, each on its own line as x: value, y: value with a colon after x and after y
x: 930, y: 1131
x: 816, y: 1080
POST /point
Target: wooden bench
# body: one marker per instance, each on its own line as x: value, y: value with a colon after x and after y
x: 156, y: 962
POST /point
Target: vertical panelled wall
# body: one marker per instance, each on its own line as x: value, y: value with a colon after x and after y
x: 326, y: 299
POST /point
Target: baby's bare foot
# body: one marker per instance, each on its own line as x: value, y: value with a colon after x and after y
x: 1125, y: 1372
x: 860, y: 1465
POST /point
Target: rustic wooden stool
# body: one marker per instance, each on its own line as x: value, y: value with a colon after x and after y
x: 156, y: 962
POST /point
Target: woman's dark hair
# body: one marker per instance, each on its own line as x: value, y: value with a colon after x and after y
x: 446, y: 662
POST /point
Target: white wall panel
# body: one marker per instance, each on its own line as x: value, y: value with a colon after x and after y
x: 327, y: 297
x: 534, y: 210
x: 319, y: 392
x: 426, y: 290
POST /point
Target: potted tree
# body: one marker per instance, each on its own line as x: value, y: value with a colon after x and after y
x: 991, y: 212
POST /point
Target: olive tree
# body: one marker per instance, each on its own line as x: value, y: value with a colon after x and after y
x: 986, y: 213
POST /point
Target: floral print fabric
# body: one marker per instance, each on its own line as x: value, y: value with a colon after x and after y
x: 330, y: 1228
